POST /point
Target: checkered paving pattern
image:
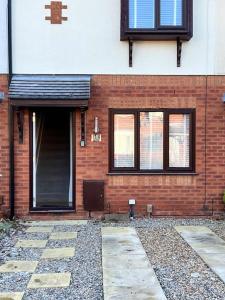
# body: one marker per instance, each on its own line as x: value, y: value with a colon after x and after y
x: 40, y: 280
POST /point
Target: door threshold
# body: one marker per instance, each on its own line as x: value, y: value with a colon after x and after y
x: 52, y: 211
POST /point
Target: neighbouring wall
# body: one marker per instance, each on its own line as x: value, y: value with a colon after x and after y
x: 4, y: 147
x: 3, y: 37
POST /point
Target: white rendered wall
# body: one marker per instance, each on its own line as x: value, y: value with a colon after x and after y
x: 219, y: 33
x: 89, y: 42
x: 3, y: 37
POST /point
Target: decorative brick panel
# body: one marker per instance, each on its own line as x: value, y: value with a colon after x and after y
x: 56, y: 8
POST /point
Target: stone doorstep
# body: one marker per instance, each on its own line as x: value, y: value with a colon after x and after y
x: 58, y: 253
x: 31, y: 244
x: 40, y: 229
x: 11, y: 296
x: 63, y: 235
x: 116, y: 217
x: 56, y: 223
x: 18, y: 266
x: 49, y: 280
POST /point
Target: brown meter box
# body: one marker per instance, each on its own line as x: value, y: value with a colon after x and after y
x: 93, y: 195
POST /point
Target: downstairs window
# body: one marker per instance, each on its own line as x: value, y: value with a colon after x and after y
x: 152, y: 141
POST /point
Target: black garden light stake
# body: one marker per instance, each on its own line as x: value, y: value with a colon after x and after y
x: 132, y: 203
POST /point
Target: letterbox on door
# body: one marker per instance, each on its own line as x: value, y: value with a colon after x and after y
x: 93, y: 195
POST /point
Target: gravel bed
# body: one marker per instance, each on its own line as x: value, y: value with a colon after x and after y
x: 8, y: 282
x: 7, y: 241
x: 85, y: 266
x: 181, y: 272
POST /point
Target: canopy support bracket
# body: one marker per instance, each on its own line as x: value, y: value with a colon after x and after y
x: 83, y: 126
x: 20, y: 123
x: 179, y: 52
x: 130, y: 53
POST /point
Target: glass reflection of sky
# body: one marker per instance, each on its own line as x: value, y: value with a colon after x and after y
x: 142, y: 13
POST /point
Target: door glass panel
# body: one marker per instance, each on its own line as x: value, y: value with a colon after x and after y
x: 123, y: 141
x: 179, y: 137
x: 52, y: 167
x: 151, y: 140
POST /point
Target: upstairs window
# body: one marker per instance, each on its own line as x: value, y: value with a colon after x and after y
x: 141, y: 14
x: 171, y: 13
x: 156, y: 19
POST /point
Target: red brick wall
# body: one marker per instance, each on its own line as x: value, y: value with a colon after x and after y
x: 215, y: 127
x: 4, y: 147
x: 170, y: 195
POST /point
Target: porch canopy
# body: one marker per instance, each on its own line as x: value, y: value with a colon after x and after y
x: 50, y: 90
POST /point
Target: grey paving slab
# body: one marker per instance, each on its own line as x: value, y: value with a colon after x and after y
x: 140, y: 261
x: 18, y: 266
x: 58, y: 253
x: 192, y: 229
x: 118, y: 231
x: 216, y: 263
x: 63, y: 235
x: 31, y: 244
x: 11, y: 296
x: 208, y: 245
x: 39, y: 229
x: 127, y: 272
x: 126, y: 293
x: 56, y: 223
x: 49, y: 280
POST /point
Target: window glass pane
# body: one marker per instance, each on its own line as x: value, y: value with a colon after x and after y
x: 179, y: 128
x: 141, y: 14
x: 171, y: 12
x: 123, y: 141
x: 151, y: 140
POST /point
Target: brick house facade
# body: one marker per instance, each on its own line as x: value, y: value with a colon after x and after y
x: 196, y: 193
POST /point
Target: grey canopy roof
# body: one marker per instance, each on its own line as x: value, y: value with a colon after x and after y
x: 47, y: 87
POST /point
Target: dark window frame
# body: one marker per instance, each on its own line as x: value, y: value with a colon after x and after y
x: 160, y: 32
x: 166, y: 169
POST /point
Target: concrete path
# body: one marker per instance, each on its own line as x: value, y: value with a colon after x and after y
x: 208, y: 245
x: 127, y: 272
